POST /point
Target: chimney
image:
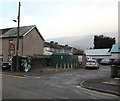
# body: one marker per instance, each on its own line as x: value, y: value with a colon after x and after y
x: 56, y: 43
x: 51, y: 41
x: 66, y: 45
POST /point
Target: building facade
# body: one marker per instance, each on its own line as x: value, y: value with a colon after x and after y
x: 98, y: 53
x: 115, y: 51
x: 30, y: 42
x: 52, y: 47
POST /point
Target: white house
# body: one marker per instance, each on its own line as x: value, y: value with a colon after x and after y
x: 47, y: 50
x: 98, y: 53
x: 52, y: 47
x: 115, y: 51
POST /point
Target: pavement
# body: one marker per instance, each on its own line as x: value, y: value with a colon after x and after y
x: 106, y: 85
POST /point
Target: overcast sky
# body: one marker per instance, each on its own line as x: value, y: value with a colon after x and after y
x: 60, y: 18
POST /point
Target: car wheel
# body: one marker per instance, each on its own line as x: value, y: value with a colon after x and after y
x: 3, y: 69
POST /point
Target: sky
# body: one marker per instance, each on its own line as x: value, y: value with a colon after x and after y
x: 62, y: 18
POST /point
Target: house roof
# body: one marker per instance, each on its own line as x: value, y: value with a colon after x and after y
x: 52, y: 45
x: 46, y: 44
x: 66, y: 47
x: 12, y: 32
x: 57, y: 46
x: 97, y: 52
x: 115, y: 48
x: 58, y: 53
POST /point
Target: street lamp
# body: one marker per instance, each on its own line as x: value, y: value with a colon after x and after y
x: 15, y: 20
x: 18, y: 32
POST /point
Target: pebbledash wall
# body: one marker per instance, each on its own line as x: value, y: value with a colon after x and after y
x: 29, y: 45
x: 32, y: 44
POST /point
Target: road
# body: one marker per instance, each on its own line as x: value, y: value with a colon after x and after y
x: 61, y: 85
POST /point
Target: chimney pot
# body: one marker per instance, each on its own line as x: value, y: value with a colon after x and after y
x: 66, y: 45
x: 56, y: 43
x: 51, y: 41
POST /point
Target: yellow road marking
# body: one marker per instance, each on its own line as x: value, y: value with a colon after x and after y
x: 16, y: 76
x: 37, y: 77
x: 13, y: 76
x: 98, y: 92
x: 20, y: 76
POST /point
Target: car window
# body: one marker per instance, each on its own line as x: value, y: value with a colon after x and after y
x: 91, y: 61
x: 106, y: 60
x: 117, y: 60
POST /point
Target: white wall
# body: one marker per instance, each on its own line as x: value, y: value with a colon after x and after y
x: 100, y: 57
x: 0, y: 46
x: 1, y: 50
x: 119, y: 22
x: 114, y: 56
x: 46, y: 51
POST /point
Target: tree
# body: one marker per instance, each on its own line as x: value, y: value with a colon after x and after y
x: 101, y: 42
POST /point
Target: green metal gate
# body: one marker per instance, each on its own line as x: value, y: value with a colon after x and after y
x: 61, y: 59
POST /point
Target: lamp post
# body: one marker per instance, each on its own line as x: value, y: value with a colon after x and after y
x: 18, y: 32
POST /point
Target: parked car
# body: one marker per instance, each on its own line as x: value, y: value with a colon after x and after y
x: 92, y: 64
x: 6, y: 66
x: 106, y: 61
x: 116, y: 62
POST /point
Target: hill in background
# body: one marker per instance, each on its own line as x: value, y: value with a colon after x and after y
x: 81, y: 42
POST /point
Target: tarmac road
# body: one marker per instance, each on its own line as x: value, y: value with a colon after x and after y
x: 61, y: 85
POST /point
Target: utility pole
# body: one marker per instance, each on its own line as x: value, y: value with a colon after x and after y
x: 18, y: 32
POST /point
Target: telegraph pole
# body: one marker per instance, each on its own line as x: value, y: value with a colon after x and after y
x: 18, y: 32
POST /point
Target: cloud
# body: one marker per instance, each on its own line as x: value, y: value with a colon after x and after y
x: 27, y: 20
x: 57, y: 18
x: 77, y: 20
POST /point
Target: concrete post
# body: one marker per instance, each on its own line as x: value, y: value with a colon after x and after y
x: 71, y: 66
x: 64, y: 66
x: 56, y: 67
